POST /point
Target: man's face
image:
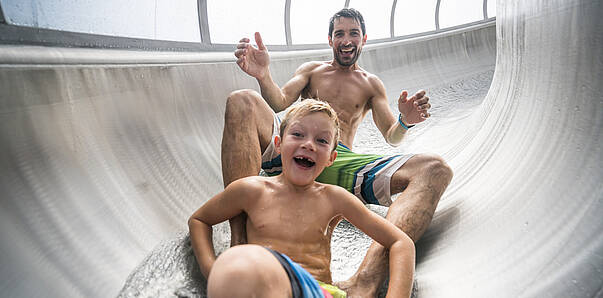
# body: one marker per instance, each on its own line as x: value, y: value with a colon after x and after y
x: 307, y: 147
x: 347, y: 41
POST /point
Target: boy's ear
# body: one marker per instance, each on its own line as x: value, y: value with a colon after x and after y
x: 277, y: 144
x: 332, y: 158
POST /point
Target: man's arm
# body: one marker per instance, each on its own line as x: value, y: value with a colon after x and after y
x: 401, y: 247
x: 412, y: 110
x: 256, y: 61
x: 223, y: 206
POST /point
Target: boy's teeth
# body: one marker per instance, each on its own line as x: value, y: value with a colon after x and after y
x: 304, y: 161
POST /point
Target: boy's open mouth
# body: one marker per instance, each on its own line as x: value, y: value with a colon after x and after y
x: 304, y: 161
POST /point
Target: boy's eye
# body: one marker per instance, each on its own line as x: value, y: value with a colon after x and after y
x: 296, y: 134
x: 323, y: 141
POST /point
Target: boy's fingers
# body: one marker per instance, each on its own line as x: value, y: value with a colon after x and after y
x: 259, y: 42
x: 244, y: 39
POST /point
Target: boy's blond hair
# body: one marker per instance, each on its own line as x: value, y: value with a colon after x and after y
x: 308, y: 106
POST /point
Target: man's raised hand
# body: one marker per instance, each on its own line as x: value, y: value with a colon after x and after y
x: 254, y: 61
x: 414, y: 109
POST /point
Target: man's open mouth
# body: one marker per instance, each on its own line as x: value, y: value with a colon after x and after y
x: 304, y: 161
x: 347, y: 51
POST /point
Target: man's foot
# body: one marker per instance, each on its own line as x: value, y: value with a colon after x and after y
x: 356, y: 289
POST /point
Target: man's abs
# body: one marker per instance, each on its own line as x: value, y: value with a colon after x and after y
x: 348, y: 92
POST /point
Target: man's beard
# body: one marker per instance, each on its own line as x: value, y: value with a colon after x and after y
x: 351, y: 62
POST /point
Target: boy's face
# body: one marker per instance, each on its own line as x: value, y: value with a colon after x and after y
x: 307, y: 147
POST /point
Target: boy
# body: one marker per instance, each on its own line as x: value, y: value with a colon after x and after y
x: 291, y: 219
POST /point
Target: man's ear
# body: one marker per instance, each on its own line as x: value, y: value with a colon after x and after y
x: 277, y: 144
x: 364, y: 39
x: 330, y: 41
x: 332, y: 158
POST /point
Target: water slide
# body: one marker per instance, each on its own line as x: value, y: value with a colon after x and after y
x: 105, y: 153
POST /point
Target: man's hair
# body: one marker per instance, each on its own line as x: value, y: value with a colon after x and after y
x: 309, y: 106
x: 347, y: 13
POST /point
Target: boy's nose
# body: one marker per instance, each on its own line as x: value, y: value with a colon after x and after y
x: 308, y: 144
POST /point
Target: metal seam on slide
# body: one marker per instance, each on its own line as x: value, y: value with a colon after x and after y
x: 203, y: 22
x: 391, y: 19
x: 437, y: 16
x: 288, y: 22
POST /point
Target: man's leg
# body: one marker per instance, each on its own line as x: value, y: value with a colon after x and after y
x: 422, y: 181
x: 246, y: 271
x: 247, y: 132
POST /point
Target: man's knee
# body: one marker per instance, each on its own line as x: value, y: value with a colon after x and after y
x: 436, y: 168
x: 422, y: 169
x: 242, y: 103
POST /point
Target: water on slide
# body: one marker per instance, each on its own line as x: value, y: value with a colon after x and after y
x: 104, y: 155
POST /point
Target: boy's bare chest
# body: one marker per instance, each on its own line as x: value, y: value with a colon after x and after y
x: 300, y: 221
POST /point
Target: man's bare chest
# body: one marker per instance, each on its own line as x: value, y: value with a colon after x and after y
x: 352, y: 91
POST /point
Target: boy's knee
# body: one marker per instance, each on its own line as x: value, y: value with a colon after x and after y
x: 245, y: 269
x: 231, y: 269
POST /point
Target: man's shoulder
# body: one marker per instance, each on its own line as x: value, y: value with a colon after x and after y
x: 312, y: 66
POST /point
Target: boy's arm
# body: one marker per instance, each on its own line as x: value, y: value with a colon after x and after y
x: 223, y: 206
x: 401, y: 247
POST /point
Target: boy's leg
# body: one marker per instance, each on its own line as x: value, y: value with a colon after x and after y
x: 247, y: 132
x: 421, y: 181
x: 248, y: 271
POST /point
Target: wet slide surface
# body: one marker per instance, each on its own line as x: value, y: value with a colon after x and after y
x: 105, y: 154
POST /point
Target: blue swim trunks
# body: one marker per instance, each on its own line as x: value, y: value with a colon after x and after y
x: 304, y: 285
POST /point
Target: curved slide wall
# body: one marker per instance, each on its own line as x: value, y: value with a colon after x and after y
x: 104, y: 154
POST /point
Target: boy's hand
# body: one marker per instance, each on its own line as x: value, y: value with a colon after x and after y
x: 254, y: 61
x: 414, y: 109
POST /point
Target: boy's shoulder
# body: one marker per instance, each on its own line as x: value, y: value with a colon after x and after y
x: 249, y: 185
x: 335, y: 191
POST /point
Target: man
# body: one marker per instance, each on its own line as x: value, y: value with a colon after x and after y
x: 250, y: 124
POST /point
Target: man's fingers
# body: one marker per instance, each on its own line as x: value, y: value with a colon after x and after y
x: 239, y: 53
x: 423, y: 100
x: 420, y: 93
x: 403, y: 96
x: 242, y: 62
x: 425, y: 107
x: 244, y: 40
x: 259, y: 41
x: 242, y: 45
